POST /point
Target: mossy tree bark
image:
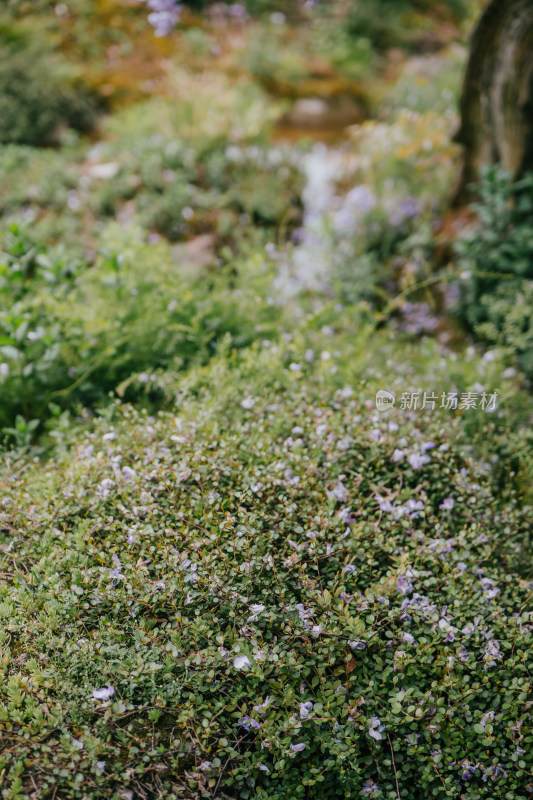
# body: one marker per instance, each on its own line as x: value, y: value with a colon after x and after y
x: 497, y: 99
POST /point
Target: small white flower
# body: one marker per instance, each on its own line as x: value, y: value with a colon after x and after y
x: 100, y: 765
x: 248, y: 403
x: 256, y: 610
x: 305, y: 710
x: 105, y: 488
x: 77, y: 744
x: 397, y: 456
x: 242, y: 662
x: 34, y: 336
x: 263, y: 768
x: 103, y: 694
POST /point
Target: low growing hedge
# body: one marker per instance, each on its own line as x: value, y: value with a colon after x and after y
x: 272, y: 593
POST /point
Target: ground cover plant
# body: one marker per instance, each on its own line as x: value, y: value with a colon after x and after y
x: 269, y: 591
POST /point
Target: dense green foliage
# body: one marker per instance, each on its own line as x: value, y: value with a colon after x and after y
x: 393, y: 23
x: 496, y: 260
x: 276, y: 598
x: 38, y: 93
x: 71, y: 335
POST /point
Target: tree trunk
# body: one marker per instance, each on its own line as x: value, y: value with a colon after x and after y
x: 497, y: 100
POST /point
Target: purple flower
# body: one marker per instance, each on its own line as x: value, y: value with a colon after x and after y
x: 305, y: 709
x: 261, y: 709
x: 340, y: 492
x: 370, y: 788
x: 492, y: 651
x: 417, y: 461
x: 447, y: 504
x: 357, y: 645
x: 247, y: 723
x: 468, y: 770
x: 413, y: 507
x: 297, y: 748
x: 448, y: 629
x: 165, y: 14
x: 464, y: 654
x: 407, y: 209
x: 486, y: 718
x: 490, y: 590
x: 375, y: 729
x: 404, y: 585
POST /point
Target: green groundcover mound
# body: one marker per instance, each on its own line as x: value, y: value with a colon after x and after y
x: 272, y: 592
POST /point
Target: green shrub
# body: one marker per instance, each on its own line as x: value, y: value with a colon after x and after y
x: 398, y: 23
x: 496, y: 262
x: 70, y: 335
x: 38, y: 93
x: 255, y: 596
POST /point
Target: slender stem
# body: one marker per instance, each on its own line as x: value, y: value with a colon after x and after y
x: 394, y: 768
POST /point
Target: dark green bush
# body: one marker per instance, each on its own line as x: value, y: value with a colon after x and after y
x: 496, y: 263
x: 389, y: 23
x: 38, y: 94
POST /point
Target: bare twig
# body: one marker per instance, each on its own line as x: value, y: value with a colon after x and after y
x: 394, y: 768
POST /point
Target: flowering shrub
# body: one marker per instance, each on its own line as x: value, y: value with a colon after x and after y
x: 256, y: 596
